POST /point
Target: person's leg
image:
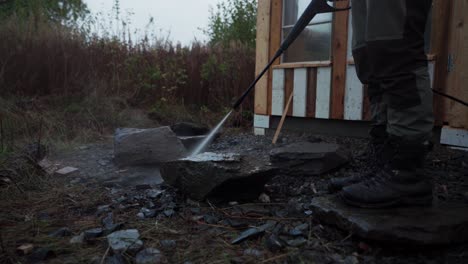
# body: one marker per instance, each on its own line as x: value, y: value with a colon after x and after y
x: 377, y: 133
x: 363, y: 65
x: 397, y: 62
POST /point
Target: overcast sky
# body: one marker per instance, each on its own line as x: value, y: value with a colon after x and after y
x: 182, y: 18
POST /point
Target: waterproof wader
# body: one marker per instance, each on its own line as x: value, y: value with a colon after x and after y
x: 388, y: 50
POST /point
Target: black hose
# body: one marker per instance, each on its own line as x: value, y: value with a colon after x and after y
x: 450, y: 97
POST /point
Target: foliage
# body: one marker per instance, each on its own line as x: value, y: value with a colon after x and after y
x: 233, y: 20
x: 66, y: 12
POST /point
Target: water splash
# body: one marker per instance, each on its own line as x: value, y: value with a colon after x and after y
x: 210, y: 136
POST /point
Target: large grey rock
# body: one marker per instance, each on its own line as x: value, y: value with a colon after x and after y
x: 125, y: 240
x: 305, y: 158
x: 146, y: 146
x: 437, y: 225
x: 227, y: 176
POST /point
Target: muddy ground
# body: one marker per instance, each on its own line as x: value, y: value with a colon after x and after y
x: 186, y: 231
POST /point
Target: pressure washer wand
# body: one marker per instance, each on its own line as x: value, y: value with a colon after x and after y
x: 315, y: 7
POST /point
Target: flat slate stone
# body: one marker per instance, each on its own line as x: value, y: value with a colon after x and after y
x: 306, y: 158
x: 125, y: 240
x: 226, y: 176
x: 440, y: 224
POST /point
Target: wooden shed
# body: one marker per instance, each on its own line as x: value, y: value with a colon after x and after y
x: 318, y: 69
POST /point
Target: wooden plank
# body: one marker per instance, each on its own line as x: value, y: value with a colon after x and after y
x: 262, y: 55
x: 300, y: 92
x: 276, y: 18
x: 441, y: 14
x: 291, y: 65
x: 277, y: 102
x: 339, y: 60
x: 458, y: 77
x: 311, y: 91
x: 289, y: 87
x: 354, y: 100
x: 283, y: 118
x: 322, y: 101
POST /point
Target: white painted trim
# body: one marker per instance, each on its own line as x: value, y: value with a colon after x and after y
x: 300, y: 92
x: 262, y: 121
x: 277, y: 96
x: 354, y: 95
x: 454, y: 137
x: 259, y: 131
x: 323, y: 92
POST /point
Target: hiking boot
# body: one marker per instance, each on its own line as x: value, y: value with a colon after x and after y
x: 402, y: 181
x: 373, y: 154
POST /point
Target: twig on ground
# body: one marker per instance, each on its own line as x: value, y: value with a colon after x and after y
x: 218, y: 226
x: 323, y: 244
x: 252, y: 204
x: 278, y: 257
x: 347, y: 237
x: 2, y: 135
x: 278, y: 219
x: 38, y: 153
x: 105, y: 255
x: 211, y: 205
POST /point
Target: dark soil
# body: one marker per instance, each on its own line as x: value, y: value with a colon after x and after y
x: 186, y: 231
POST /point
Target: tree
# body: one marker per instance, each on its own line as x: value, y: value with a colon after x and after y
x: 233, y: 20
x: 63, y: 11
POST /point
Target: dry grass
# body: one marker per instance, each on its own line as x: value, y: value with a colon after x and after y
x: 28, y: 217
x: 79, y: 87
x: 59, y: 86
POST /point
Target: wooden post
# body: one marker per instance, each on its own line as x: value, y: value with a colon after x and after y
x: 262, y: 55
x: 339, y: 60
x: 441, y: 14
x: 458, y: 64
x: 276, y: 19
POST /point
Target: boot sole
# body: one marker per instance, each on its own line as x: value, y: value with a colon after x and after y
x: 404, y: 201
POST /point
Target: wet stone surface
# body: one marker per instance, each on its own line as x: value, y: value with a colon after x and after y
x: 225, y: 175
x: 202, y: 230
x: 306, y: 158
x: 440, y: 224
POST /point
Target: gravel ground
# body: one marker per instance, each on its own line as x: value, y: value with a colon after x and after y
x: 191, y: 232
